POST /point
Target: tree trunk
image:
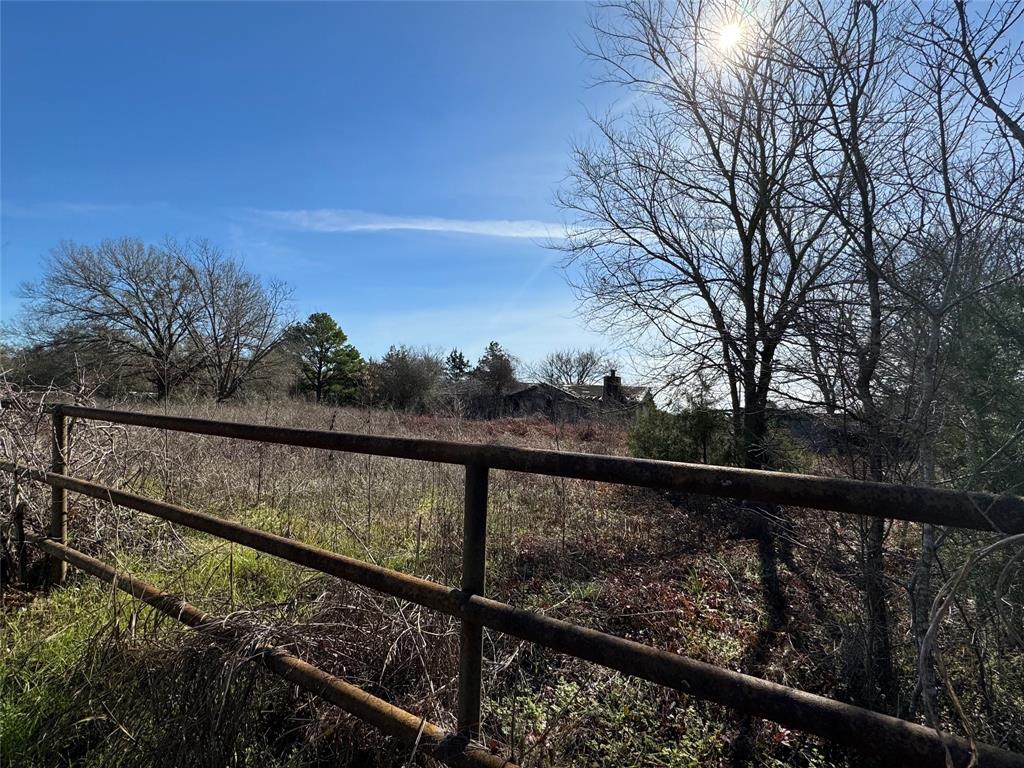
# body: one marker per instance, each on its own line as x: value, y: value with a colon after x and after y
x: 755, y: 428
x: 757, y: 521
x: 881, y: 683
x: 921, y: 582
x: 921, y: 594
x: 921, y: 600
x: 161, y: 386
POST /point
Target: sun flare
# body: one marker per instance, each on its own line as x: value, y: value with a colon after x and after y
x: 729, y: 37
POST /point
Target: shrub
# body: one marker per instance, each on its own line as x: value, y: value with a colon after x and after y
x: 406, y: 379
x: 699, y: 435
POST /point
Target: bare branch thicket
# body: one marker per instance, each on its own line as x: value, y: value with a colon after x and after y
x: 934, y: 229
x: 987, y: 61
x: 958, y: 243
x: 840, y: 332
x: 407, y: 379
x: 808, y: 214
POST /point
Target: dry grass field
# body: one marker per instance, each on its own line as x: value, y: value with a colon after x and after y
x: 88, y: 677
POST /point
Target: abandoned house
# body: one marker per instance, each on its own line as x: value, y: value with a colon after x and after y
x: 572, y: 402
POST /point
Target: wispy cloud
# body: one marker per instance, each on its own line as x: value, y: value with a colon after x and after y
x: 345, y: 220
x: 59, y: 209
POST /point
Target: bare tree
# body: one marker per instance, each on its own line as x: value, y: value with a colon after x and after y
x: 925, y: 189
x: 807, y: 209
x: 696, y: 222
x: 962, y: 182
x: 169, y: 312
x: 130, y: 298
x: 692, y: 222
x: 574, y: 366
x: 859, y: 63
x: 238, y: 319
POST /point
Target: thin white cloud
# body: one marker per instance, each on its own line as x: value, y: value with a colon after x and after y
x: 345, y: 220
x: 59, y: 209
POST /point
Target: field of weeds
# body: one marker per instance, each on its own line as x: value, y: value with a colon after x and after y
x: 88, y: 677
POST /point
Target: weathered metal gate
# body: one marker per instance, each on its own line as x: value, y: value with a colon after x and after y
x: 888, y: 737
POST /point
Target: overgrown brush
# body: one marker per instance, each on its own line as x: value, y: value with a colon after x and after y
x: 87, y: 678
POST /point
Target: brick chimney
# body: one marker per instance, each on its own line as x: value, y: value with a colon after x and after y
x: 612, y: 391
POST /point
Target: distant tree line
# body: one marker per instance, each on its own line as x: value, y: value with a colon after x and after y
x: 184, y: 319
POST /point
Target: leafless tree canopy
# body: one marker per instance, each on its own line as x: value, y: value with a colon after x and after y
x: 763, y: 210
x: 239, y: 320
x: 123, y: 294
x: 172, y: 312
x: 696, y: 227
x: 574, y: 366
x: 406, y: 378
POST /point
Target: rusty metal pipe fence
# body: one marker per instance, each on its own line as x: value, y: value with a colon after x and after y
x: 888, y: 737
x: 453, y: 749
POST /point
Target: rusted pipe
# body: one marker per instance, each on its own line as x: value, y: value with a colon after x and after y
x: 396, y: 722
x: 56, y: 568
x: 891, y: 738
x: 939, y: 506
x: 471, y: 635
x: 374, y: 577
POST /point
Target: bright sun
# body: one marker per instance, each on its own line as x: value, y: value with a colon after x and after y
x: 729, y: 36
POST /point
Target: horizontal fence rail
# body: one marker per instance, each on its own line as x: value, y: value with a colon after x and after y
x: 890, y: 738
x: 982, y: 511
x: 853, y: 726
x: 452, y: 749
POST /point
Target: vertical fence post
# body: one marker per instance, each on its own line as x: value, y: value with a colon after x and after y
x: 59, y: 499
x: 471, y: 642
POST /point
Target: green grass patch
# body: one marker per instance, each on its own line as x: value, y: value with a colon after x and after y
x: 609, y: 722
x: 42, y: 644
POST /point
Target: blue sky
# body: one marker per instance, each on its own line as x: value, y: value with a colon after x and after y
x: 395, y: 163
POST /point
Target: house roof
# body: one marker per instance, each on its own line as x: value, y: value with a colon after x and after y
x: 595, y: 391
x: 582, y: 391
x: 526, y: 386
